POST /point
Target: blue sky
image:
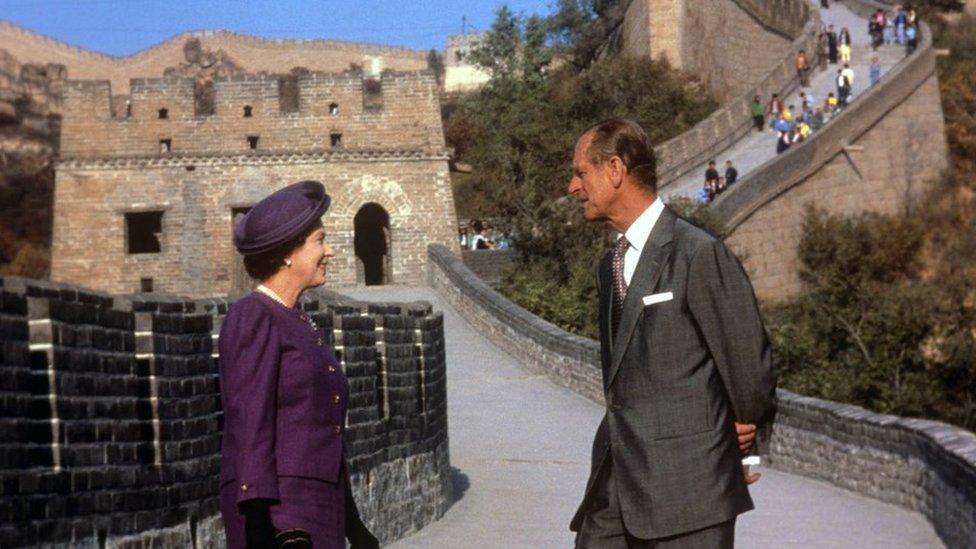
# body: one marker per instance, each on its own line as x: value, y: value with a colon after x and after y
x: 123, y: 27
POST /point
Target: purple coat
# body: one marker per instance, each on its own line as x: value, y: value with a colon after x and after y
x: 284, y: 399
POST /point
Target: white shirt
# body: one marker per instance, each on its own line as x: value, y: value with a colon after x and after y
x: 637, y: 235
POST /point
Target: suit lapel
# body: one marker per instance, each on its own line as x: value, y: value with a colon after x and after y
x: 656, y: 251
x: 606, y: 289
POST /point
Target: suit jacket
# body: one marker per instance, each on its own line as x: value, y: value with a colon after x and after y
x: 676, y: 377
x: 284, y: 399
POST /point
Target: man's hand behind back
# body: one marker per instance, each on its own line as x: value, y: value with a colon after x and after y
x: 746, y: 435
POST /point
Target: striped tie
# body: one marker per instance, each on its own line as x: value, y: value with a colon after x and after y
x: 619, y: 284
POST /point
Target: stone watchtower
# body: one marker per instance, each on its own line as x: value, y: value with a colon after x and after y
x: 148, y: 186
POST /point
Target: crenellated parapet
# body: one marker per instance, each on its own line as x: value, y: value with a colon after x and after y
x: 260, y: 113
x: 111, y: 415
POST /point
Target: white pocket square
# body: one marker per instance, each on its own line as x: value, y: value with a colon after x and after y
x: 658, y: 298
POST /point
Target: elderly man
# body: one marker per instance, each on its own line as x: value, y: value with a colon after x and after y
x: 686, y: 362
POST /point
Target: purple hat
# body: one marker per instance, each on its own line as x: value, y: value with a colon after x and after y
x: 280, y: 217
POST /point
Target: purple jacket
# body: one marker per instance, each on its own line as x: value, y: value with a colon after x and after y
x: 284, y: 398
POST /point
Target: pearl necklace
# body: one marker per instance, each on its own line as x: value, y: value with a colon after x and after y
x: 270, y: 293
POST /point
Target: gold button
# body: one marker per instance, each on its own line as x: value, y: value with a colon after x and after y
x: 243, y: 487
x: 320, y: 342
x: 336, y: 399
x: 338, y: 429
x: 331, y: 368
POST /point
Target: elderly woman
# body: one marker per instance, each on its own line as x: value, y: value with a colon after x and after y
x: 283, y: 478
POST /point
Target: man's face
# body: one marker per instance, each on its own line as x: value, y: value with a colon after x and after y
x: 590, y: 183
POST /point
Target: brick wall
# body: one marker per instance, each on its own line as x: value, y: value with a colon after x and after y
x: 393, y: 157
x: 197, y: 254
x: 729, y: 44
x: 878, y: 155
x: 489, y: 265
x: 251, y: 53
x: 111, y: 415
x: 922, y: 465
x: 408, y: 119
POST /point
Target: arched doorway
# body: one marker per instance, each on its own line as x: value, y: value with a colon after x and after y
x: 372, y: 244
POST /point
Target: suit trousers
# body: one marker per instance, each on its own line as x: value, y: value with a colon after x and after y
x: 603, y: 525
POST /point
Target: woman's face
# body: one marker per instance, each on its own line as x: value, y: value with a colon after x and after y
x: 309, y: 261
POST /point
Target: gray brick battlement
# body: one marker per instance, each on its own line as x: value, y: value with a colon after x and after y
x: 922, y: 465
x: 110, y: 414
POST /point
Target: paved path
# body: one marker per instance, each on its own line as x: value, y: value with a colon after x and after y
x: 520, y: 445
x: 756, y: 148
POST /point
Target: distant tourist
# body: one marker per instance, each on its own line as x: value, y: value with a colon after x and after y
x: 803, y: 68
x: 874, y: 72
x: 844, y: 44
x: 788, y: 114
x: 831, y: 104
x: 848, y: 73
x: 889, y: 29
x: 758, y: 113
x: 843, y: 89
x: 876, y: 28
x: 817, y: 119
x: 782, y: 141
x: 900, y: 19
x: 807, y: 100
x: 822, y: 50
x: 480, y: 240
x: 911, y: 39
x: 802, y: 132
x: 831, y: 45
x: 775, y: 108
x: 711, y: 180
x: 731, y: 174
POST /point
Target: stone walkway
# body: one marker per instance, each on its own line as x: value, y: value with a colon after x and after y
x: 520, y: 448
x: 756, y: 148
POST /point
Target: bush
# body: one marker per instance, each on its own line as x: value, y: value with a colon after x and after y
x: 869, y: 330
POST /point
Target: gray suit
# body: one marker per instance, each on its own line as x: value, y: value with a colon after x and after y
x: 676, y: 376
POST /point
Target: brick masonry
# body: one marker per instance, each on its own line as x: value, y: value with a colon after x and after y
x: 253, y: 54
x: 922, y: 465
x: 111, y: 415
x: 729, y: 44
x: 878, y: 155
x: 393, y: 156
x: 489, y: 265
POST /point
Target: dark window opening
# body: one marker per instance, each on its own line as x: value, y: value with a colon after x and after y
x: 143, y: 230
x: 372, y: 94
x: 335, y: 140
x: 204, y: 98
x: 372, y: 243
x: 333, y: 109
x: 163, y: 114
x: 165, y: 145
x: 146, y: 285
x: 247, y: 111
x: 191, y: 168
x: 288, y: 93
x: 252, y: 142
